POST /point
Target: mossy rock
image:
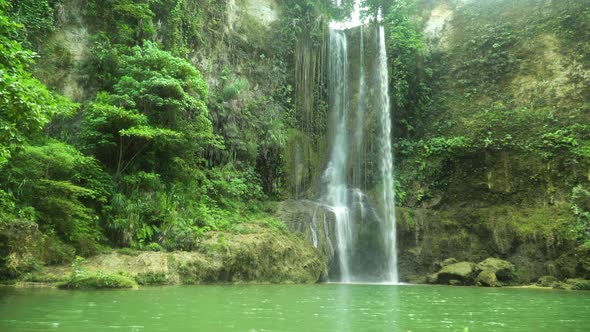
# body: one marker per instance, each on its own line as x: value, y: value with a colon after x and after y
x: 547, y: 281
x: 414, y: 279
x: 432, y: 278
x: 20, y: 249
x: 437, y: 265
x: 503, y: 270
x: 84, y: 280
x: 487, y: 278
x: 449, y: 261
x: 463, y: 272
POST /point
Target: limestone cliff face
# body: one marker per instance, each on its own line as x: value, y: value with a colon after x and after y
x: 508, y: 76
x: 65, y: 52
x: 247, y: 36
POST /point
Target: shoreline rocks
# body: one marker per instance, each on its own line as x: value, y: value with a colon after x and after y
x: 491, y: 272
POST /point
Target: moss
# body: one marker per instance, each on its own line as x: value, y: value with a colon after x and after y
x: 81, y: 280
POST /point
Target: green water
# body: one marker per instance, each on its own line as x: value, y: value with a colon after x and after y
x: 304, y: 308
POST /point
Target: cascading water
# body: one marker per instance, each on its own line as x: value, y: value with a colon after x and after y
x: 360, y: 234
x: 387, y: 163
x: 336, y: 196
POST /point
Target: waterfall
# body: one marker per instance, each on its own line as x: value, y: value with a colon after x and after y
x: 359, y: 109
x: 335, y: 176
x: 387, y: 163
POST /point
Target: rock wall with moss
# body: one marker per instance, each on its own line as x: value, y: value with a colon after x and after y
x: 496, y: 163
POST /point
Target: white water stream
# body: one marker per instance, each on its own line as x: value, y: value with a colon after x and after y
x: 342, y: 193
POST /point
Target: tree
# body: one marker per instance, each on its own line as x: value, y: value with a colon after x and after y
x: 157, y: 108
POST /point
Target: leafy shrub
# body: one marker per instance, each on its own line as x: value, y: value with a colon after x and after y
x: 56, y: 251
x: 573, y: 284
x: 153, y: 246
x: 547, y: 281
x: 65, y: 188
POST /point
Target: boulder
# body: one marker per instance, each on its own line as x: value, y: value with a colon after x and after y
x: 503, y: 270
x: 439, y: 265
x: 487, y: 278
x: 432, y: 278
x: 463, y: 272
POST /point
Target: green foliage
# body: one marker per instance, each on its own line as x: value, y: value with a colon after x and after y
x: 488, y: 55
x: 305, y: 17
x: 153, y: 247
x: 65, y: 189
x: 573, y: 284
x: 36, y: 17
x: 129, y: 22
x: 407, y: 47
x: 118, y: 136
x: 26, y: 105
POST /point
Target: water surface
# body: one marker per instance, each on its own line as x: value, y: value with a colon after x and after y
x: 307, y: 308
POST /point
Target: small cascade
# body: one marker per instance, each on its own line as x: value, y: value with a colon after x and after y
x: 314, y: 228
x: 357, y: 184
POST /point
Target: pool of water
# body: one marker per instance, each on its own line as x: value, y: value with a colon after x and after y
x: 307, y: 308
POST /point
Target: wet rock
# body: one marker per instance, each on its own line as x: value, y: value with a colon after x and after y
x: 503, y: 270
x: 432, y: 278
x: 487, y: 278
x: 464, y: 272
x: 414, y: 279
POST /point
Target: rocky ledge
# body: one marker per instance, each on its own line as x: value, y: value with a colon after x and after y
x: 258, y: 256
